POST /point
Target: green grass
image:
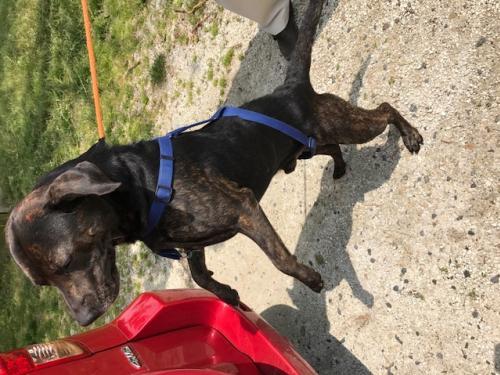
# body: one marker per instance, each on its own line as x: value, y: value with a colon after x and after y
x: 47, y: 117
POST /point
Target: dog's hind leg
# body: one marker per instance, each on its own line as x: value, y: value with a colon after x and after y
x: 203, y: 277
x: 342, y: 123
x: 254, y: 224
x: 334, y: 151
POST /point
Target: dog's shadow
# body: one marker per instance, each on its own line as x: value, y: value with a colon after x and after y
x: 263, y: 68
x: 323, y: 244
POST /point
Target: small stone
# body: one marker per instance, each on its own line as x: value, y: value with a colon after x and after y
x: 460, y: 217
x: 385, y: 26
x: 403, y: 271
x: 473, y: 185
x: 434, y: 281
x: 372, y: 260
x: 439, y: 355
x: 475, y: 314
x: 395, y: 288
x: 433, y: 216
x: 302, y: 331
x: 413, y: 108
x: 480, y: 42
x: 398, y: 339
x: 406, y: 281
x: 495, y: 279
x: 471, y: 232
x: 388, y: 305
x: 466, y: 273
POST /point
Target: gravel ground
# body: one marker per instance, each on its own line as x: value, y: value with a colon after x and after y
x: 408, y: 245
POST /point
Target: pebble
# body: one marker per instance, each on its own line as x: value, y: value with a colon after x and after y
x: 480, y: 42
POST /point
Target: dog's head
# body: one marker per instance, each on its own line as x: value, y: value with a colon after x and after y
x: 61, y: 235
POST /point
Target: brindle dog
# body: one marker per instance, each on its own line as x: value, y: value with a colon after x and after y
x: 64, y: 232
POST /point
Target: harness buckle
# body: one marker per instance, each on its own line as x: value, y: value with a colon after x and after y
x: 311, y: 148
x: 164, y: 194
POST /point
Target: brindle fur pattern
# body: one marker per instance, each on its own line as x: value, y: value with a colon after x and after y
x: 63, y: 234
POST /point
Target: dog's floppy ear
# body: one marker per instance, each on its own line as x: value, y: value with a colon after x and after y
x: 83, y: 179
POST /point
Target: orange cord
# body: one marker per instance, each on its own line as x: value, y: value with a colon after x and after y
x: 93, y: 72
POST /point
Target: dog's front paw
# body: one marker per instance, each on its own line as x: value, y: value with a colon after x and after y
x: 315, y: 282
x: 228, y: 295
x: 338, y: 171
x: 413, y: 140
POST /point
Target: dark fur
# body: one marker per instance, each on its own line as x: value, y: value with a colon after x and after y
x: 64, y: 232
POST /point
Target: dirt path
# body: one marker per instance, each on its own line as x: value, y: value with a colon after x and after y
x: 408, y: 245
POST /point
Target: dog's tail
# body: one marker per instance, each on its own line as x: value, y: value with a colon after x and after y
x: 300, y: 61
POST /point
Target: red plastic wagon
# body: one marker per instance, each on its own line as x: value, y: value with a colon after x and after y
x: 173, y: 332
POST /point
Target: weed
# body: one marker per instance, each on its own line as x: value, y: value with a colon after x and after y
x: 214, y: 28
x: 210, y: 71
x: 228, y: 58
x: 157, y: 72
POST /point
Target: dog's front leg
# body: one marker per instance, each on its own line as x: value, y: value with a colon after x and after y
x: 254, y: 224
x: 203, y: 277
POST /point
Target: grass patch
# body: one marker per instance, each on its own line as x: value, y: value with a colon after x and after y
x: 46, y: 109
x: 157, y: 72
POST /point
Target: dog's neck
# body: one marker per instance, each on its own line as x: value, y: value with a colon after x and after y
x: 135, y: 166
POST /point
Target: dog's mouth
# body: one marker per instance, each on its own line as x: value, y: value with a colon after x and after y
x: 92, y: 307
x: 99, y: 296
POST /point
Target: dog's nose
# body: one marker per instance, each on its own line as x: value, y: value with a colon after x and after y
x: 86, y: 312
x: 86, y: 317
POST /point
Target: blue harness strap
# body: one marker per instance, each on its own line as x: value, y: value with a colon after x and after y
x: 245, y: 114
x: 164, y: 186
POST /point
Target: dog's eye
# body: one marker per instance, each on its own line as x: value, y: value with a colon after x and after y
x: 92, y: 231
x: 68, y: 206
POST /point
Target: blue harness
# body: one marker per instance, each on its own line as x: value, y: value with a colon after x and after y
x: 164, y: 186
